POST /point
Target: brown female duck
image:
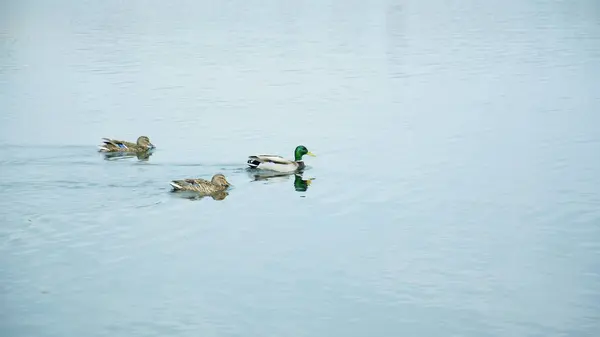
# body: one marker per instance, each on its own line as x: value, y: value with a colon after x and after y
x: 218, y: 183
x: 112, y: 145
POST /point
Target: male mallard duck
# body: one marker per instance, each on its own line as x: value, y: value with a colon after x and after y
x: 278, y: 163
x: 113, y: 145
x: 218, y: 183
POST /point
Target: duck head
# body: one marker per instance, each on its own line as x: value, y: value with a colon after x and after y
x: 144, y: 141
x: 219, y: 180
x: 300, y: 151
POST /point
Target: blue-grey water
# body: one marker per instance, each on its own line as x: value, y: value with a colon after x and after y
x: 456, y: 186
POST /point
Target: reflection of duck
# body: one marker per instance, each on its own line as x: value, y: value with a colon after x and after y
x: 113, y: 145
x: 300, y: 184
x: 219, y: 195
x: 278, y: 163
x: 218, y: 183
x: 141, y: 156
x: 257, y: 175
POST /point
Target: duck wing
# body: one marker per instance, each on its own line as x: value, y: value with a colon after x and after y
x: 116, y: 145
x: 273, y: 163
x: 197, y: 181
x: 269, y: 158
x: 188, y: 183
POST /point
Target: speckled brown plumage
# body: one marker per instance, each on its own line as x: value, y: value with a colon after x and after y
x: 218, y: 183
x: 113, y: 145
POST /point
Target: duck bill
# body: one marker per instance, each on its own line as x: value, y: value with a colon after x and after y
x: 310, y: 154
x: 151, y: 146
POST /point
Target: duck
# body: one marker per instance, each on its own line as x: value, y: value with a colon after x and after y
x: 218, y: 183
x: 278, y: 163
x: 113, y: 145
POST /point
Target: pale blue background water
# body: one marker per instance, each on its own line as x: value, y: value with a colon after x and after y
x: 456, y: 187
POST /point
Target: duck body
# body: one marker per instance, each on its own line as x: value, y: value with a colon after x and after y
x: 218, y: 183
x: 274, y: 163
x: 278, y: 163
x: 113, y: 145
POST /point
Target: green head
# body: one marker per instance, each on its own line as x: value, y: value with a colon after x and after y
x: 300, y: 151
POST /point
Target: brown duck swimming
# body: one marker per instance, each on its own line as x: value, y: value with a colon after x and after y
x: 218, y: 183
x: 113, y: 145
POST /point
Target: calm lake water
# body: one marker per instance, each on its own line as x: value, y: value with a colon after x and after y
x: 456, y: 186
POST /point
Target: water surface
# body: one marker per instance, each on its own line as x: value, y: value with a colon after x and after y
x: 455, y: 186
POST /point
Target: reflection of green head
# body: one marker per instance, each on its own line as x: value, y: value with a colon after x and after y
x: 299, y: 184
x: 300, y: 151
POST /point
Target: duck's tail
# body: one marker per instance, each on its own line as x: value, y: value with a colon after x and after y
x: 175, y: 186
x: 253, y: 162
